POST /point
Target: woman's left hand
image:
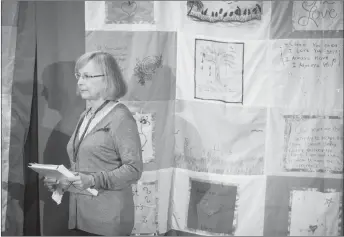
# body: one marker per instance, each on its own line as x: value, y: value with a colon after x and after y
x: 82, y: 181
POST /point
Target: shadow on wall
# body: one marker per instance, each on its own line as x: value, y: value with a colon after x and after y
x: 59, y: 91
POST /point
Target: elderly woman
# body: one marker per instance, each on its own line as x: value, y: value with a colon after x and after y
x: 104, y: 150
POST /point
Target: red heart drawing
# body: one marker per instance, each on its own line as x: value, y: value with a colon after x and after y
x: 129, y: 7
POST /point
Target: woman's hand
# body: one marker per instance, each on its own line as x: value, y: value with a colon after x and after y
x: 52, y: 184
x: 82, y: 181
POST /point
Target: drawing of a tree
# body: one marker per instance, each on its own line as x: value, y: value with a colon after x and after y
x: 218, y: 56
x: 197, y: 3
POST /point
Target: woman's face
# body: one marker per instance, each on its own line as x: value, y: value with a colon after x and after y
x: 91, y: 88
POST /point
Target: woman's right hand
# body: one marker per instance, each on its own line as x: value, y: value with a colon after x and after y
x: 52, y: 184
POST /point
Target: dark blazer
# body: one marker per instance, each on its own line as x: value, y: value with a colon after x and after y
x: 111, y: 152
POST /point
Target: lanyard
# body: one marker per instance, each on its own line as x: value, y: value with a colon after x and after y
x: 76, y: 147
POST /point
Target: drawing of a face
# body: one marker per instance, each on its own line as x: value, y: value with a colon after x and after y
x: 91, y: 88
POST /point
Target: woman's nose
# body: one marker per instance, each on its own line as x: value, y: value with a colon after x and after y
x: 80, y: 81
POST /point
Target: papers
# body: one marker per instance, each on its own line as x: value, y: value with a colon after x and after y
x: 59, y: 172
x: 52, y: 171
x: 317, y: 15
x: 57, y: 196
x: 314, y: 213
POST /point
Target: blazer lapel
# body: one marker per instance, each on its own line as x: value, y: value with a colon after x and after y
x: 102, y: 122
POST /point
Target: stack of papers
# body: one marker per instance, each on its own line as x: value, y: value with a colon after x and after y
x: 59, y: 172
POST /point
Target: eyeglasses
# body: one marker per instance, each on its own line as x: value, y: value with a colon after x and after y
x: 78, y: 76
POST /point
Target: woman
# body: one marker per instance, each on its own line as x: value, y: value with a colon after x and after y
x: 104, y: 150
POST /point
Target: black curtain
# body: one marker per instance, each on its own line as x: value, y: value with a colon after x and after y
x: 31, y: 193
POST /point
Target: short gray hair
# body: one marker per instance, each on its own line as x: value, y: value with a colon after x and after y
x: 116, y: 86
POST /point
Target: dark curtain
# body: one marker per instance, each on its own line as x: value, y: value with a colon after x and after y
x: 18, y: 63
x: 44, y: 39
x: 31, y: 194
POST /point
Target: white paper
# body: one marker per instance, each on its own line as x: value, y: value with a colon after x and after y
x: 224, y: 140
x: 313, y: 144
x: 228, y: 19
x: 305, y: 142
x: 57, y: 196
x: 146, y: 207
x: 152, y: 202
x: 145, y: 124
x: 240, y: 81
x: 219, y: 70
x: 59, y: 172
x: 314, y: 213
x: 317, y: 15
x: 306, y: 73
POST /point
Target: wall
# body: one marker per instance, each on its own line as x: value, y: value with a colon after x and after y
x: 241, y: 121
x: 253, y: 113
